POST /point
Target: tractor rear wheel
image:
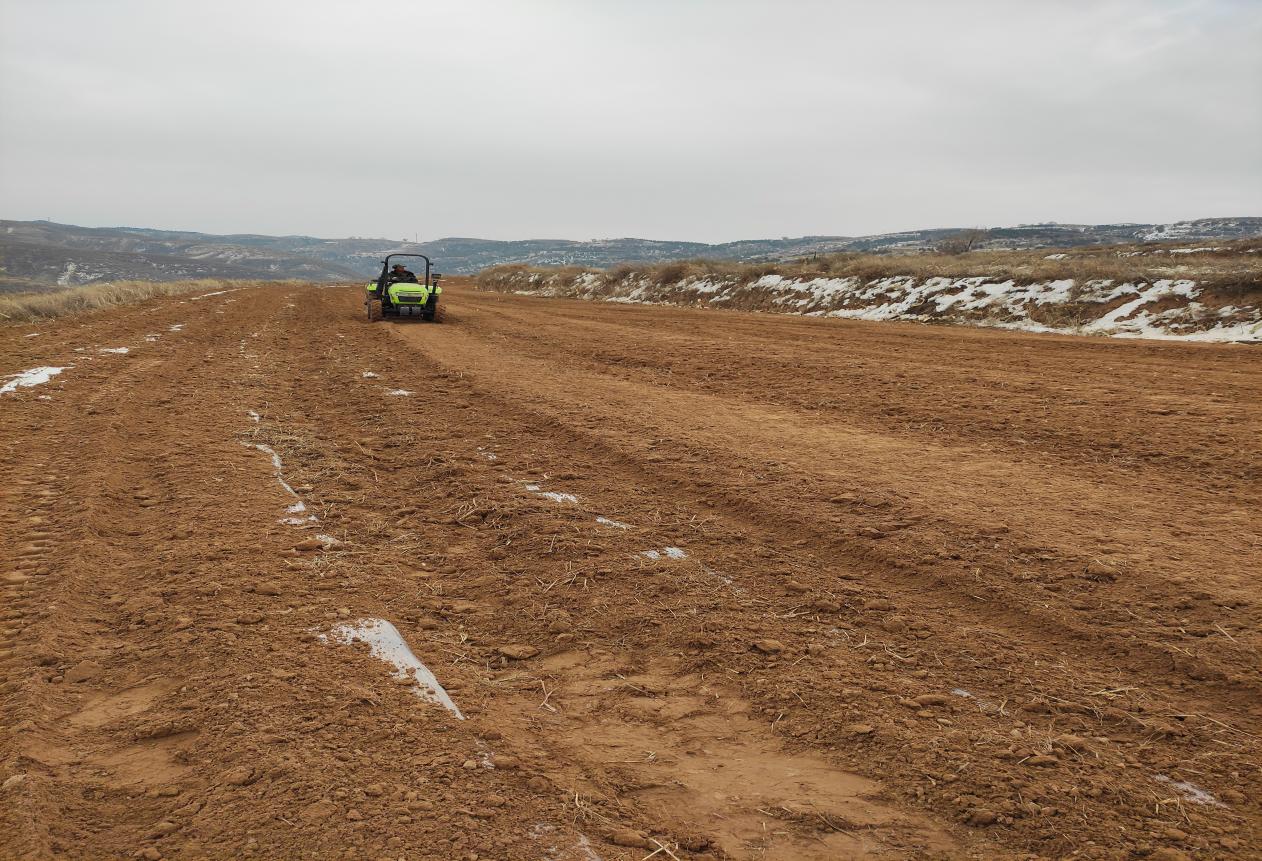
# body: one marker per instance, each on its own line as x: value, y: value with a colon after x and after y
x: 374, y: 309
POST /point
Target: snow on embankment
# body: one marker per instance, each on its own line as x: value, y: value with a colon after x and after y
x: 1165, y: 308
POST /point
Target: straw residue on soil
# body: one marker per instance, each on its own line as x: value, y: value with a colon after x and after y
x: 937, y: 593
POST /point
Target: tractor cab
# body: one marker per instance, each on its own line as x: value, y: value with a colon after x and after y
x: 406, y: 287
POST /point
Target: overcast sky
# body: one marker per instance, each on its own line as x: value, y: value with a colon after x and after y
x: 708, y: 120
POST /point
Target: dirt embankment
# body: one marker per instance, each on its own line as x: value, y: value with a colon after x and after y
x: 583, y: 581
x: 1210, y: 295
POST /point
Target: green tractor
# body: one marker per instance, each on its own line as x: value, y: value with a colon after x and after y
x: 398, y: 292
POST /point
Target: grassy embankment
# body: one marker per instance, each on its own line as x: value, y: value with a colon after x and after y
x: 1234, y: 264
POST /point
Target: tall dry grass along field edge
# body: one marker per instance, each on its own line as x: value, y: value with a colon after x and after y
x: 30, y: 307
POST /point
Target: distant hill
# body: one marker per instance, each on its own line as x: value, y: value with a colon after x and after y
x: 42, y: 254
x: 34, y: 253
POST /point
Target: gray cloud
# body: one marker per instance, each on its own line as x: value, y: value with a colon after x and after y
x: 687, y: 120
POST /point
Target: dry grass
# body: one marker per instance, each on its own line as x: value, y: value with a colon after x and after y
x: 28, y: 307
x: 1114, y: 263
x: 1230, y: 267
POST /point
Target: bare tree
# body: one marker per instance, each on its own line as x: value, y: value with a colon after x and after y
x: 962, y: 242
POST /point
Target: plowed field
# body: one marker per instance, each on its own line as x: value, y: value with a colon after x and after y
x: 690, y: 585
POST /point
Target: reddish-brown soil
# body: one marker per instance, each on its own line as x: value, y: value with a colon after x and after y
x: 944, y: 593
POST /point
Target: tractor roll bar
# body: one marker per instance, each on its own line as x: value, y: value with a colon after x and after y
x: 385, y: 266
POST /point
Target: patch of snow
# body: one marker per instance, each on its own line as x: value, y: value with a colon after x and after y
x: 1240, y: 333
x: 387, y: 644
x: 616, y: 524
x: 553, y: 495
x: 254, y: 417
x: 1128, y: 320
x: 117, y: 350
x: 369, y: 375
x: 176, y: 328
x: 277, y: 464
x: 401, y: 393
x: 668, y: 552
x: 978, y: 301
x: 296, y: 508
x: 33, y: 377
x: 727, y: 580
x: 284, y: 484
x: 1189, y: 791
x: 1055, y: 256
x: 587, y: 280
x: 1158, y: 290
x: 705, y: 286
x: 808, y: 292
x: 584, y: 847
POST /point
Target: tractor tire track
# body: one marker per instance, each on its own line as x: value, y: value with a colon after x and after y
x: 812, y: 607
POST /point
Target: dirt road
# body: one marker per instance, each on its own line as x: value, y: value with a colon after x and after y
x: 690, y: 585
